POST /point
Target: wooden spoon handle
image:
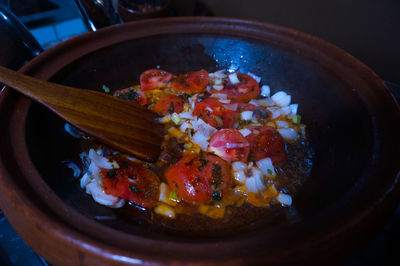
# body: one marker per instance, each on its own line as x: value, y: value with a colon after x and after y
x: 123, y: 125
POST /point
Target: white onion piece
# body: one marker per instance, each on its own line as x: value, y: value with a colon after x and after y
x: 208, y: 88
x: 72, y: 131
x: 163, y: 193
x: 265, y: 91
x: 232, y: 107
x: 253, y: 102
x: 95, y: 172
x: 281, y: 98
x: 288, y: 134
x: 281, y: 124
x: 218, y: 74
x: 186, y: 115
x: 233, y: 78
x: 185, y: 126
x: 224, y: 101
x: 222, y: 96
x: 275, y: 112
x: 245, y: 132
x: 201, y: 140
x: 239, y: 166
x: 240, y: 177
x: 266, y: 166
x: 255, y: 184
x: 257, y: 78
x: 85, y: 180
x: 218, y: 87
x: 209, y: 109
x: 99, y: 196
x: 293, y: 108
x: 246, y: 115
x: 285, y: 199
x: 229, y: 145
x: 204, y: 128
x: 286, y: 110
x: 101, y: 161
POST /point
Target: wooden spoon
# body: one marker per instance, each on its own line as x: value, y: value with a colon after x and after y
x: 123, y: 125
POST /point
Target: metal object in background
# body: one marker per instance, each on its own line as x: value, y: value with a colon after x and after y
x: 17, y: 45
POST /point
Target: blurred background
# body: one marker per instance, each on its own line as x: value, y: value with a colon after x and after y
x: 367, y: 29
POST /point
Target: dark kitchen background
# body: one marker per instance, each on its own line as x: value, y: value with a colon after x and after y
x: 367, y: 29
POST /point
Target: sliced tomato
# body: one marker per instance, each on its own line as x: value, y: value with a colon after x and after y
x: 169, y: 104
x: 230, y: 145
x: 247, y: 89
x: 212, y: 111
x: 191, y: 82
x: 199, y: 180
x: 266, y: 142
x: 132, y: 181
x: 154, y: 79
x: 132, y: 94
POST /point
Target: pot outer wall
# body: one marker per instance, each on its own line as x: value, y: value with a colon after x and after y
x: 350, y: 115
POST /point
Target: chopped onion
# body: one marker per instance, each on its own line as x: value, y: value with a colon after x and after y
x: 289, y: 134
x: 204, y: 128
x: 185, y: 126
x: 232, y: 107
x: 186, y: 115
x: 239, y: 166
x: 281, y: 124
x: 286, y: 110
x: 201, y: 140
x: 233, y: 78
x: 175, y: 118
x: 86, y: 178
x: 208, y: 88
x: 224, y: 101
x: 266, y: 166
x: 229, y: 145
x: 72, y: 131
x: 293, y: 108
x: 275, y: 112
x: 222, y: 96
x: 265, y: 91
x: 285, y: 199
x: 255, y: 183
x: 74, y: 166
x: 239, y: 177
x: 218, y: 87
x: 281, y: 98
x: 209, y: 109
x: 246, y: 115
x: 245, y: 132
x: 257, y: 78
x: 164, y: 119
x: 101, y: 161
x: 265, y: 102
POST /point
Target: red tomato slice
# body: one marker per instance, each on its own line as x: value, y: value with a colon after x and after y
x: 243, y: 91
x: 132, y: 94
x: 154, y: 79
x: 267, y: 142
x: 191, y: 82
x: 199, y: 181
x: 169, y: 104
x: 230, y: 145
x: 133, y: 182
x: 211, y: 111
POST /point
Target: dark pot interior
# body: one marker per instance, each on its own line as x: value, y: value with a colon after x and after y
x: 350, y: 117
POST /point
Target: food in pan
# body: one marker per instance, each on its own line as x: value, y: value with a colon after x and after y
x: 230, y: 143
